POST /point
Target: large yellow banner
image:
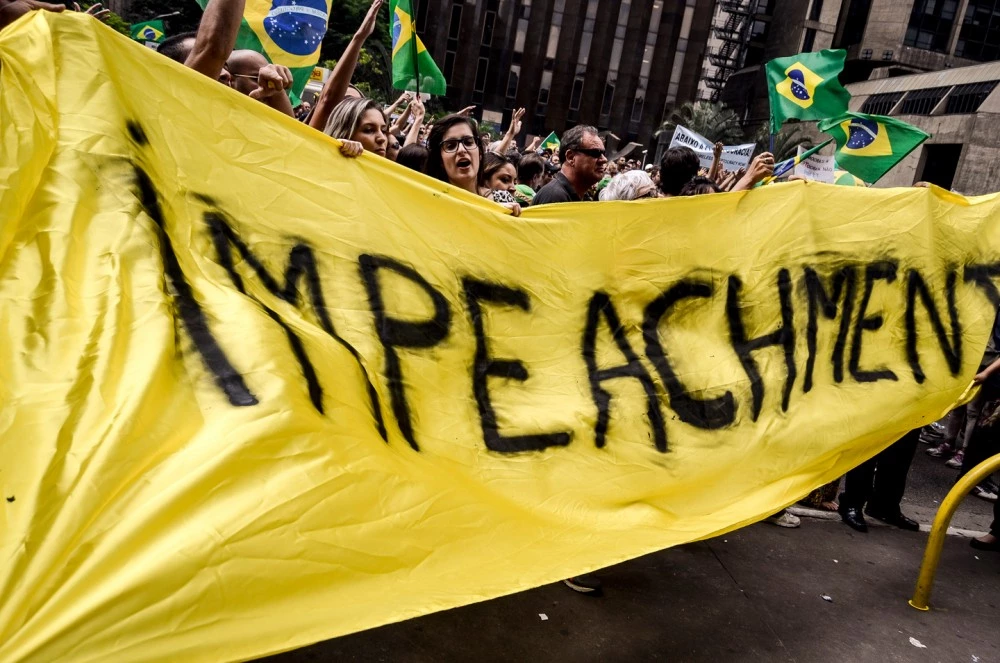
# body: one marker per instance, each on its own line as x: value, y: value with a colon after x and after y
x: 254, y: 395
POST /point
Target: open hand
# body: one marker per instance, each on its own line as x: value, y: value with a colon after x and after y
x: 96, y: 10
x: 515, y: 122
x: 368, y: 25
x: 467, y: 111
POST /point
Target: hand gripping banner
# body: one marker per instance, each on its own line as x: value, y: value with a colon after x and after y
x: 254, y: 395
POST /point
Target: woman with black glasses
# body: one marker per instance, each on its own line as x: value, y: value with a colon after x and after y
x: 456, y: 156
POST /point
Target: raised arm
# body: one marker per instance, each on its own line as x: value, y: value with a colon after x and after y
x: 336, y: 87
x: 761, y: 167
x: 713, y: 172
x: 216, y: 36
x: 417, y: 111
x: 512, y: 131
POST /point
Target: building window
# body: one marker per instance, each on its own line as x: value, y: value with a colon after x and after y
x: 422, y: 16
x: 930, y: 24
x: 968, y: 98
x: 512, y: 81
x: 637, y: 107
x: 808, y: 40
x: 866, y: 54
x: 525, y: 9
x: 980, y: 35
x: 488, y: 22
x: 922, y: 102
x: 449, y: 64
x: 456, y: 22
x: 881, y: 104
x: 543, y: 92
x: 574, y: 97
x: 522, y: 33
x: 609, y: 97
x: 815, y: 10
x: 481, y: 69
x: 553, y: 44
x: 855, y: 23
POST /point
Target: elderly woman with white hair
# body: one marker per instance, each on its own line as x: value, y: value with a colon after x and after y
x: 630, y: 185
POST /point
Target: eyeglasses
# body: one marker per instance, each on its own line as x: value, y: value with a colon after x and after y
x: 591, y: 152
x: 451, y: 145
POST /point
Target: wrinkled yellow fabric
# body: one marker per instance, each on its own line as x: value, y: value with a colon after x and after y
x: 159, y: 506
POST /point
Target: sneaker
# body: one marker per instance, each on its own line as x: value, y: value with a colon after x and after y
x: 585, y: 584
x: 984, y: 493
x: 940, y: 450
x: 955, y: 462
x: 785, y: 519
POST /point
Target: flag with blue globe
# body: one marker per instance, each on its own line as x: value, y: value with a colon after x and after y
x: 868, y: 146
x: 286, y: 32
x: 806, y: 87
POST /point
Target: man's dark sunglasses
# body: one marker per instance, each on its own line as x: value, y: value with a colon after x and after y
x: 591, y: 152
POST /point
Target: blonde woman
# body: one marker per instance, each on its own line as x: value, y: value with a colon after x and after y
x: 361, y: 125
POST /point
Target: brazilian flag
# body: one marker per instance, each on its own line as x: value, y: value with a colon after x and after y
x: 410, y: 60
x: 551, y: 142
x: 844, y: 178
x: 286, y: 32
x: 806, y: 87
x: 148, y: 31
x: 868, y: 146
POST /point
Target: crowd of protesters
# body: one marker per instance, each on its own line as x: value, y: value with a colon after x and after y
x: 453, y: 149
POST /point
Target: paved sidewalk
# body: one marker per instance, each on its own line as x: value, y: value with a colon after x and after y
x: 752, y: 595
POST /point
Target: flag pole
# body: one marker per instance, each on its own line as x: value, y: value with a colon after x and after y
x: 770, y: 130
x: 413, y: 40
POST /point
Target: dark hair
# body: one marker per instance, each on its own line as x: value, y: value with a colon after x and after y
x: 173, y: 46
x: 698, y: 186
x: 573, y: 139
x: 435, y: 163
x: 530, y: 167
x: 492, y: 162
x: 678, y: 166
x: 414, y: 157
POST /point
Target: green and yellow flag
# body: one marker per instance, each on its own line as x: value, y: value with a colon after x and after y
x: 551, y: 142
x: 868, y: 146
x: 148, y: 31
x: 286, y: 32
x: 806, y: 87
x: 413, y: 68
x: 844, y: 178
x: 255, y: 394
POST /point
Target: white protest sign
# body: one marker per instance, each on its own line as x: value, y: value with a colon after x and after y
x: 733, y: 157
x: 817, y: 168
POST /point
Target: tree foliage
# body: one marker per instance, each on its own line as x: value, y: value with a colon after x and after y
x: 146, y: 10
x: 345, y: 19
x: 713, y: 120
x: 371, y: 76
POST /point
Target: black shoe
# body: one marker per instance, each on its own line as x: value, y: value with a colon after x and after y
x: 897, y: 519
x: 585, y: 584
x: 982, y: 545
x: 852, y: 516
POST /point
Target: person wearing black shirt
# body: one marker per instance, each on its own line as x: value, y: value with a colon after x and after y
x: 582, y: 156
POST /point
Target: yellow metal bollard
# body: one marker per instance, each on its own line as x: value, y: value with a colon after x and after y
x: 932, y: 555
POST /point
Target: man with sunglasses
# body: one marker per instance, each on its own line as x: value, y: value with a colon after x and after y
x: 582, y: 156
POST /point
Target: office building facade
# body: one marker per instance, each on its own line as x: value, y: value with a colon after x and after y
x: 883, y: 39
x: 614, y: 64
